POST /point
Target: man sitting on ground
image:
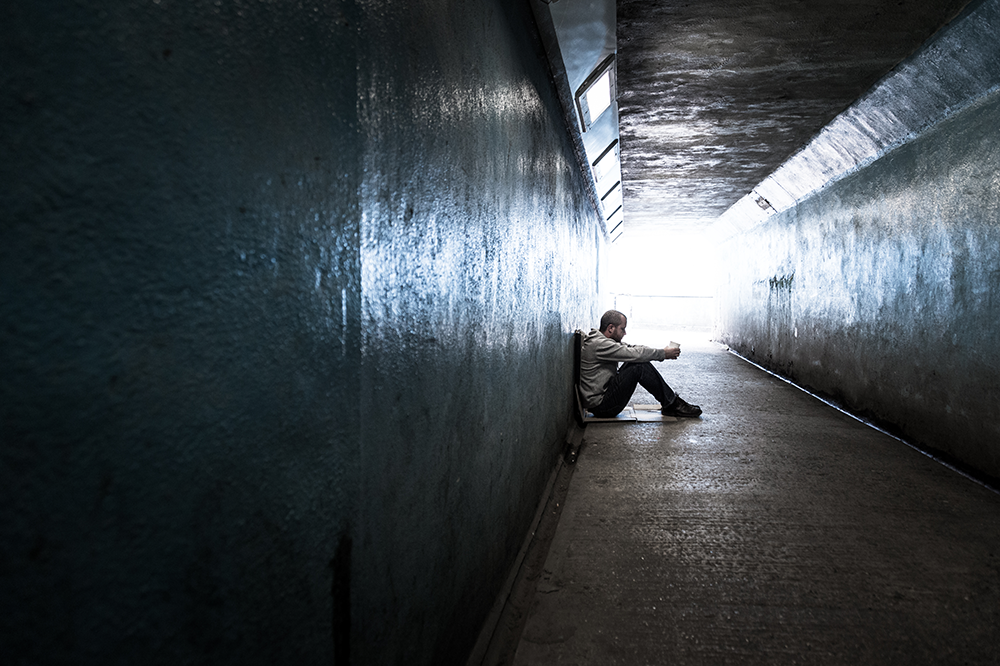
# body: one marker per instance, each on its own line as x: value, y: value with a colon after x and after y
x: 606, y: 389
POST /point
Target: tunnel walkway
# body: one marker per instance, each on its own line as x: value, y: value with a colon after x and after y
x: 773, y: 530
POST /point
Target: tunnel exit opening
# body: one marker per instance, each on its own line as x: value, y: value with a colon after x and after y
x: 665, y: 278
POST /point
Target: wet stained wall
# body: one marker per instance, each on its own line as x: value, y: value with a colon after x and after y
x: 882, y: 291
x: 287, y: 294
x: 181, y: 314
x: 479, y: 259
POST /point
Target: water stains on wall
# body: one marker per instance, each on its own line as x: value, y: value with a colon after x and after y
x: 478, y: 261
x: 288, y: 293
x: 893, y: 310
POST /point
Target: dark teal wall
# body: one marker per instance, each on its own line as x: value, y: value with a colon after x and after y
x: 883, y: 290
x: 478, y: 255
x: 287, y: 295
x: 181, y: 329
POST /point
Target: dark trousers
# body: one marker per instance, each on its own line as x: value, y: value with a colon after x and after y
x: 622, y: 386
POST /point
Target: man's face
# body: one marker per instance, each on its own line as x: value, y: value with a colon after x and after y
x: 616, y: 333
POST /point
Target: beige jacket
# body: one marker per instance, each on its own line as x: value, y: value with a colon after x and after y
x: 599, y: 359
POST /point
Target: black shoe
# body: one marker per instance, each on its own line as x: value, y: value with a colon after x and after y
x: 680, y: 408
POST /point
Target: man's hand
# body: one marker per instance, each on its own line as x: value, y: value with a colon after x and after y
x: 670, y: 351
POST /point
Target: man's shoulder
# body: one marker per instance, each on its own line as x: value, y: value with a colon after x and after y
x: 595, y: 341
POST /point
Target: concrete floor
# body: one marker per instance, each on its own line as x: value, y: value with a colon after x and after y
x: 773, y: 530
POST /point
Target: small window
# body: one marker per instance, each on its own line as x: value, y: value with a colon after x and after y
x: 612, y: 201
x: 607, y: 163
x: 615, y: 220
x: 597, y: 93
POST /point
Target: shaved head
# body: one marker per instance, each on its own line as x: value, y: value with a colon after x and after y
x: 611, y: 318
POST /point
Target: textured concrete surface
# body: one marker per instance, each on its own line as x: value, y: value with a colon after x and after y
x: 479, y: 252
x: 958, y: 66
x: 180, y: 300
x: 227, y: 231
x: 774, y: 530
x: 881, y: 290
x: 714, y: 96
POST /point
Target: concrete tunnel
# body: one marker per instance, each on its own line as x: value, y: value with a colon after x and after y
x: 289, y: 294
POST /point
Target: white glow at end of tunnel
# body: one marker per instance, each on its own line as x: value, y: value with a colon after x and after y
x: 665, y: 277
x: 664, y: 263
